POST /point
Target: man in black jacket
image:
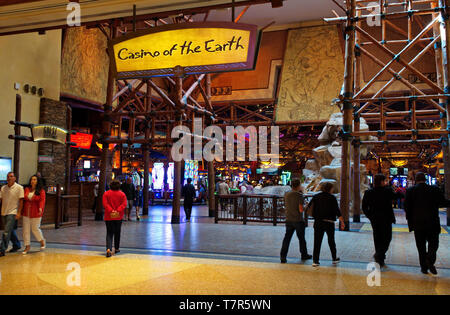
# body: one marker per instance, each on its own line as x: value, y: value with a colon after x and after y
x: 377, y: 206
x: 189, y: 194
x: 325, y: 210
x: 422, y: 212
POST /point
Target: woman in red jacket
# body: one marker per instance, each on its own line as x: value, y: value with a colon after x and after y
x: 32, y: 212
x: 115, y: 203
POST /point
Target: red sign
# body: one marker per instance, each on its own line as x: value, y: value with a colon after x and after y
x: 82, y: 140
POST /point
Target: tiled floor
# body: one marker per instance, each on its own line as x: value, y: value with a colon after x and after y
x: 158, y: 258
x: 64, y: 271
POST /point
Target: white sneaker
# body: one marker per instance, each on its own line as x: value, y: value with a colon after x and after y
x: 337, y: 261
x: 315, y: 264
x: 43, y: 247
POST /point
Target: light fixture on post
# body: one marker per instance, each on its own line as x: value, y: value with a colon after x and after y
x: 277, y: 3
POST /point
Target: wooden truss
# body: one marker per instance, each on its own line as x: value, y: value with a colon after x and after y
x: 149, y: 119
x: 425, y: 102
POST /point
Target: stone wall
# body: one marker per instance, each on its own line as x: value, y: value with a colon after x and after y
x: 54, y: 113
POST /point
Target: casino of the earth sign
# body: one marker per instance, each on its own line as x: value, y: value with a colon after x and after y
x: 196, y: 47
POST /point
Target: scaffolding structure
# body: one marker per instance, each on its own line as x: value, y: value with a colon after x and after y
x: 427, y: 101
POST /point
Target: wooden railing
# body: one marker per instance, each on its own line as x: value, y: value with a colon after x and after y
x: 66, y: 213
x: 250, y: 208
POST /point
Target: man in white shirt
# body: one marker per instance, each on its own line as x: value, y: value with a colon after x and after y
x: 11, y: 196
x: 224, y: 189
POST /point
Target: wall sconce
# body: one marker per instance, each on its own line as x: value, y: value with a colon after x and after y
x: 26, y: 88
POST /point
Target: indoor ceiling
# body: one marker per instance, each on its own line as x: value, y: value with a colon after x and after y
x: 30, y: 15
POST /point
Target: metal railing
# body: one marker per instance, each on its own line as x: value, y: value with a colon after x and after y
x: 250, y: 208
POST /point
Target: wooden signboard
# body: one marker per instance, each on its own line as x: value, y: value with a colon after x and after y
x: 196, y: 47
x: 49, y: 133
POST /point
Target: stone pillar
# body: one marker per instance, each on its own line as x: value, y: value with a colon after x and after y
x: 54, y: 113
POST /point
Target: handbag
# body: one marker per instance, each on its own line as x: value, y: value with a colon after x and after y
x: 115, y: 214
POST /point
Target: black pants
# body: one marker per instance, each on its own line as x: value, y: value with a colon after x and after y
x: 382, y: 237
x: 113, y: 229
x: 298, y: 227
x: 427, y: 258
x: 320, y: 228
x: 94, y: 206
x: 188, y: 209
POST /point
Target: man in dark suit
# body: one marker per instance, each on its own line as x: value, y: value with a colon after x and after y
x: 422, y: 212
x: 189, y: 194
x: 377, y: 206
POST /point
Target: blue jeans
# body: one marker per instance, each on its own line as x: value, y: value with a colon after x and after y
x: 9, y: 233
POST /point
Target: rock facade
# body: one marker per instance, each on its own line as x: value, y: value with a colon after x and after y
x: 54, y: 113
x: 326, y: 165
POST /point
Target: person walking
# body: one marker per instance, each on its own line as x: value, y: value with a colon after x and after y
x: 138, y: 202
x: 114, y: 202
x: 295, y: 221
x: 422, y: 204
x: 324, y: 209
x: 201, y: 193
x: 11, y: 196
x: 94, y: 206
x: 130, y: 192
x: 189, y: 194
x: 377, y: 206
x: 32, y: 212
x: 223, y: 189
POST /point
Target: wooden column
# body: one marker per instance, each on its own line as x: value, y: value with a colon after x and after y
x: 146, y: 150
x: 445, y: 51
x: 177, y: 167
x: 16, y: 166
x: 68, y: 164
x: 356, y: 145
x: 106, y: 132
x: 356, y: 175
x: 211, y: 170
x: 348, y: 112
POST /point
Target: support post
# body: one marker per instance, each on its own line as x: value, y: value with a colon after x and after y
x: 348, y: 112
x: 80, y: 209
x: 356, y: 176
x: 177, y: 167
x: 68, y: 163
x: 356, y: 146
x: 16, y: 166
x: 146, y: 151
x: 445, y: 49
x: 106, y: 132
x: 58, y: 206
x: 211, y: 170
